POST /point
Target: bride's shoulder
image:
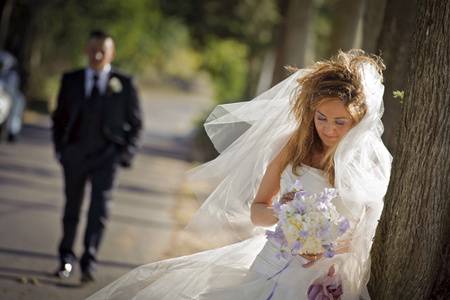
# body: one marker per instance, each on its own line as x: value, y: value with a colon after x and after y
x: 282, y: 158
x: 280, y: 161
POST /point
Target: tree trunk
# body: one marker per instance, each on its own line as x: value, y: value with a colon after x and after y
x: 254, y: 69
x: 347, y: 24
x: 394, y: 43
x: 410, y: 254
x: 265, y: 76
x: 294, y: 37
x: 373, y: 21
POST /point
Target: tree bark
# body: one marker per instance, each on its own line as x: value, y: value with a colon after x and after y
x: 394, y: 43
x: 294, y: 37
x: 411, y: 250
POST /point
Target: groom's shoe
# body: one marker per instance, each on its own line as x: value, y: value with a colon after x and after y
x: 87, y: 266
x: 87, y: 276
x: 64, y: 271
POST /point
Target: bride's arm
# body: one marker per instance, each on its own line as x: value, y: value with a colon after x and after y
x: 261, y: 210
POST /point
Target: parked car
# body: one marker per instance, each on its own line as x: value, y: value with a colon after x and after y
x: 12, y: 101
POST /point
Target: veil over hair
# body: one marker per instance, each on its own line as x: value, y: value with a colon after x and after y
x: 249, y: 135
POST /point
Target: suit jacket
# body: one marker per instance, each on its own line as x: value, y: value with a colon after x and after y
x: 121, y: 113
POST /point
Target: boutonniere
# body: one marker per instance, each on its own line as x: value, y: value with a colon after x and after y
x: 115, y: 85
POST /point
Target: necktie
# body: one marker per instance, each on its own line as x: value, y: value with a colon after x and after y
x: 95, y: 91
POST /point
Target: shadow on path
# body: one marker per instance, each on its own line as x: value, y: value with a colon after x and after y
x: 48, y: 279
x: 35, y: 134
x: 32, y: 170
x: 19, y: 206
x: 53, y: 258
x: 173, y: 146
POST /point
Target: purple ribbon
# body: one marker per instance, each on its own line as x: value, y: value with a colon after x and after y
x: 276, y: 282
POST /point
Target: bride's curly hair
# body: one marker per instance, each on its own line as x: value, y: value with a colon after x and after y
x: 337, y: 78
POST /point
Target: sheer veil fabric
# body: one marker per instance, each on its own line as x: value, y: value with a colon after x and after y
x: 248, y: 136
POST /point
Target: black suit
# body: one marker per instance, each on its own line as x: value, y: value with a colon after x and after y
x: 91, y: 136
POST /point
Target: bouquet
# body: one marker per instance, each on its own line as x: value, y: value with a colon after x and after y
x: 308, y: 225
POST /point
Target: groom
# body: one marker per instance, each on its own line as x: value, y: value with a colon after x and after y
x: 96, y: 126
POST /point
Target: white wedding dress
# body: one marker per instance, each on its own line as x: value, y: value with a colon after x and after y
x: 231, y: 272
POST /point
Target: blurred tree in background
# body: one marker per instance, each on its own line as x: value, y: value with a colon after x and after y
x: 153, y: 37
x: 230, y: 40
x: 293, y: 37
x: 242, y: 45
x: 49, y: 37
x: 234, y: 36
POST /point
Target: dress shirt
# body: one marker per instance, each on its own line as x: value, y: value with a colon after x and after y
x: 102, y: 81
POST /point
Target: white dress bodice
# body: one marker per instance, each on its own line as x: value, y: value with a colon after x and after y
x: 313, y: 180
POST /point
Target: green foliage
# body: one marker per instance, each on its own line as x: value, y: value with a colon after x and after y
x: 134, y: 24
x: 155, y: 37
x: 258, y: 18
x: 250, y: 22
x: 173, y: 54
x: 145, y: 39
x: 184, y: 64
x: 228, y: 34
x: 400, y: 95
x: 226, y: 61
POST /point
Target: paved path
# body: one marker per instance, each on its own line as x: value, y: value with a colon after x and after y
x: 142, y: 215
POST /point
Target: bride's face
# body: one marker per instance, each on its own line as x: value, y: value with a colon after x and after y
x: 332, y: 121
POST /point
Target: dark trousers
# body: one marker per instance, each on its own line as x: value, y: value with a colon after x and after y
x: 78, y: 170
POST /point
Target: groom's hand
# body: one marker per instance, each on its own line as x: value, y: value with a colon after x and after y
x: 125, y: 157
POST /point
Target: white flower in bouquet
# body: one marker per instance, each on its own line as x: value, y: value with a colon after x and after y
x: 309, y: 224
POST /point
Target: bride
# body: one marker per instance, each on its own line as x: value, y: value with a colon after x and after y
x: 320, y: 127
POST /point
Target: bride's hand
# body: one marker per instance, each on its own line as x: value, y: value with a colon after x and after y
x: 312, y: 259
x: 287, y: 197
x: 343, y: 246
